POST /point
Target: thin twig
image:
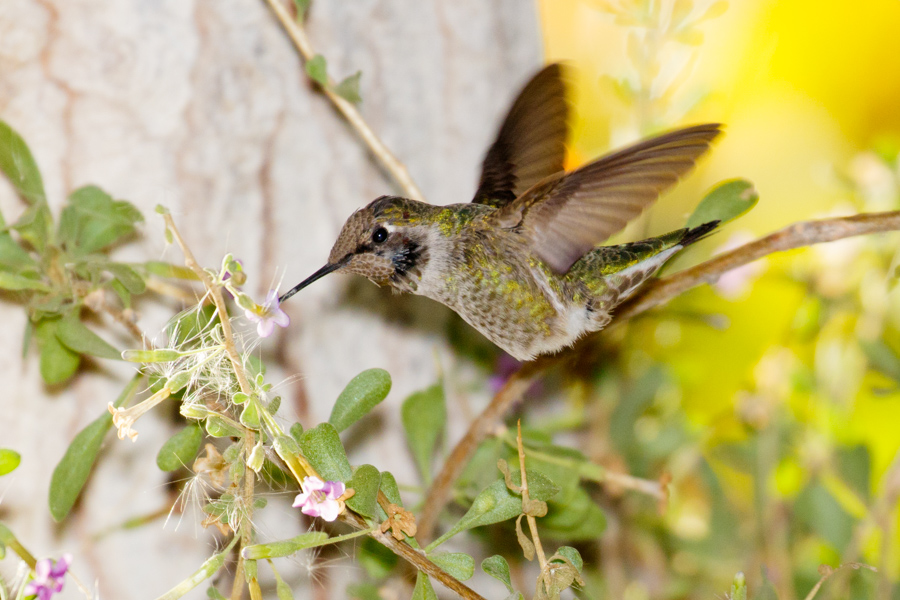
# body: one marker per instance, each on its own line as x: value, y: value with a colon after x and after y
x: 827, y: 572
x: 237, y: 365
x: 795, y: 236
x: 413, y: 556
x: 651, y: 295
x: 440, y: 489
x: 390, y: 162
x: 532, y: 522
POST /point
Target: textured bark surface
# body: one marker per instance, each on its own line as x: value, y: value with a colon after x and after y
x: 201, y: 105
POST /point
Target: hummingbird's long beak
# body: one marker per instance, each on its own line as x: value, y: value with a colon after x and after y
x: 329, y: 268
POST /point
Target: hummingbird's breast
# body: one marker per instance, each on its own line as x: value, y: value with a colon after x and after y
x: 496, y: 284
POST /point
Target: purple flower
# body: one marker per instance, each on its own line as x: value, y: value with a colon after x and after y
x: 268, y: 315
x: 48, y: 577
x: 320, y: 498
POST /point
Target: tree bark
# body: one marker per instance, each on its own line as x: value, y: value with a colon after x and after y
x: 203, y: 106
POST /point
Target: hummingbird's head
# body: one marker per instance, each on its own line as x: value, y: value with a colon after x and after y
x: 385, y: 242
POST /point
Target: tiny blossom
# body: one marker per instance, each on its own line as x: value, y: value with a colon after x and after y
x: 48, y: 577
x: 268, y: 315
x: 321, y: 498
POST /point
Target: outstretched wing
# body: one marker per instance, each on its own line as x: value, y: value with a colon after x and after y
x: 565, y: 216
x: 531, y: 142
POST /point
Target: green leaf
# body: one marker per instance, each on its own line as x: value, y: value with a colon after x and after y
x: 361, y: 395
x: 377, y: 560
x: 180, y: 449
x: 458, y: 564
x: 285, y: 547
x: 34, y: 225
x: 725, y: 202
x: 93, y: 221
x: 72, y: 472
x: 317, y: 70
x: 296, y: 431
x: 882, y: 358
x: 250, y: 415
x: 322, y: 447
x: 540, y: 487
x: 14, y: 282
x: 76, y: 336
x: 423, y: 589
x: 12, y: 256
x: 164, y: 269
x: 391, y: 489
x: 572, y: 555
x: 302, y: 6
x: 739, y: 587
x: 58, y: 363
x: 579, y: 519
x: 821, y: 512
x: 493, y: 505
x: 497, y: 567
x: 9, y: 460
x: 348, y: 88
x: 366, y: 480
x: 19, y: 166
x: 218, y: 427
x: 424, y: 416
x: 128, y: 277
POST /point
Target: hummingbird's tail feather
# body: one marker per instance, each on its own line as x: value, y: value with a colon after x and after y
x: 695, y: 234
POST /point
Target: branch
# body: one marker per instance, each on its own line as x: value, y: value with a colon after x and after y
x: 798, y: 235
x: 651, y: 295
x: 415, y: 557
x: 390, y: 162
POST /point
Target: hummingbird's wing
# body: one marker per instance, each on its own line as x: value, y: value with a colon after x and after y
x: 566, y: 215
x: 531, y: 143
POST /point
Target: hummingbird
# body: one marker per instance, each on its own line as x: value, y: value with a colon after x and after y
x: 522, y: 262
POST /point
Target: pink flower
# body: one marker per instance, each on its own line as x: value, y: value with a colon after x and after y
x: 48, y: 577
x: 320, y: 498
x: 268, y: 315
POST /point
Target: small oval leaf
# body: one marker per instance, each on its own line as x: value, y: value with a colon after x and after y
x: 458, y: 564
x: 365, y: 481
x: 424, y: 416
x: 76, y: 336
x: 9, y: 460
x: 72, y: 472
x: 725, y: 202
x: 322, y: 447
x: 180, y: 449
x: 361, y: 395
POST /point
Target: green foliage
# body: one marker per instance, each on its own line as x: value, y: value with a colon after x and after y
x: 322, y: 447
x: 180, y: 449
x: 366, y: 481
x: 19, y: 166
x: 362, y: 394
x: 9, y: 460
x: 494, y: 504
x: 424, y: 417
x: 458, y: 564
x: 93, y: 221
x: 348, y: 88
x: 497, y: 567
x: 423, y: 589
x: 58, y: 362
x: 73, y: 470
x: 76, y: 337
x: 317, y: 70
x: 725, y: 202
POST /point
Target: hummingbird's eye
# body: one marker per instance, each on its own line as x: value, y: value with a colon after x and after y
x: 379, y: 235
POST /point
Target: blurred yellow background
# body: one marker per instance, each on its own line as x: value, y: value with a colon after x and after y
x: 809, y: 92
